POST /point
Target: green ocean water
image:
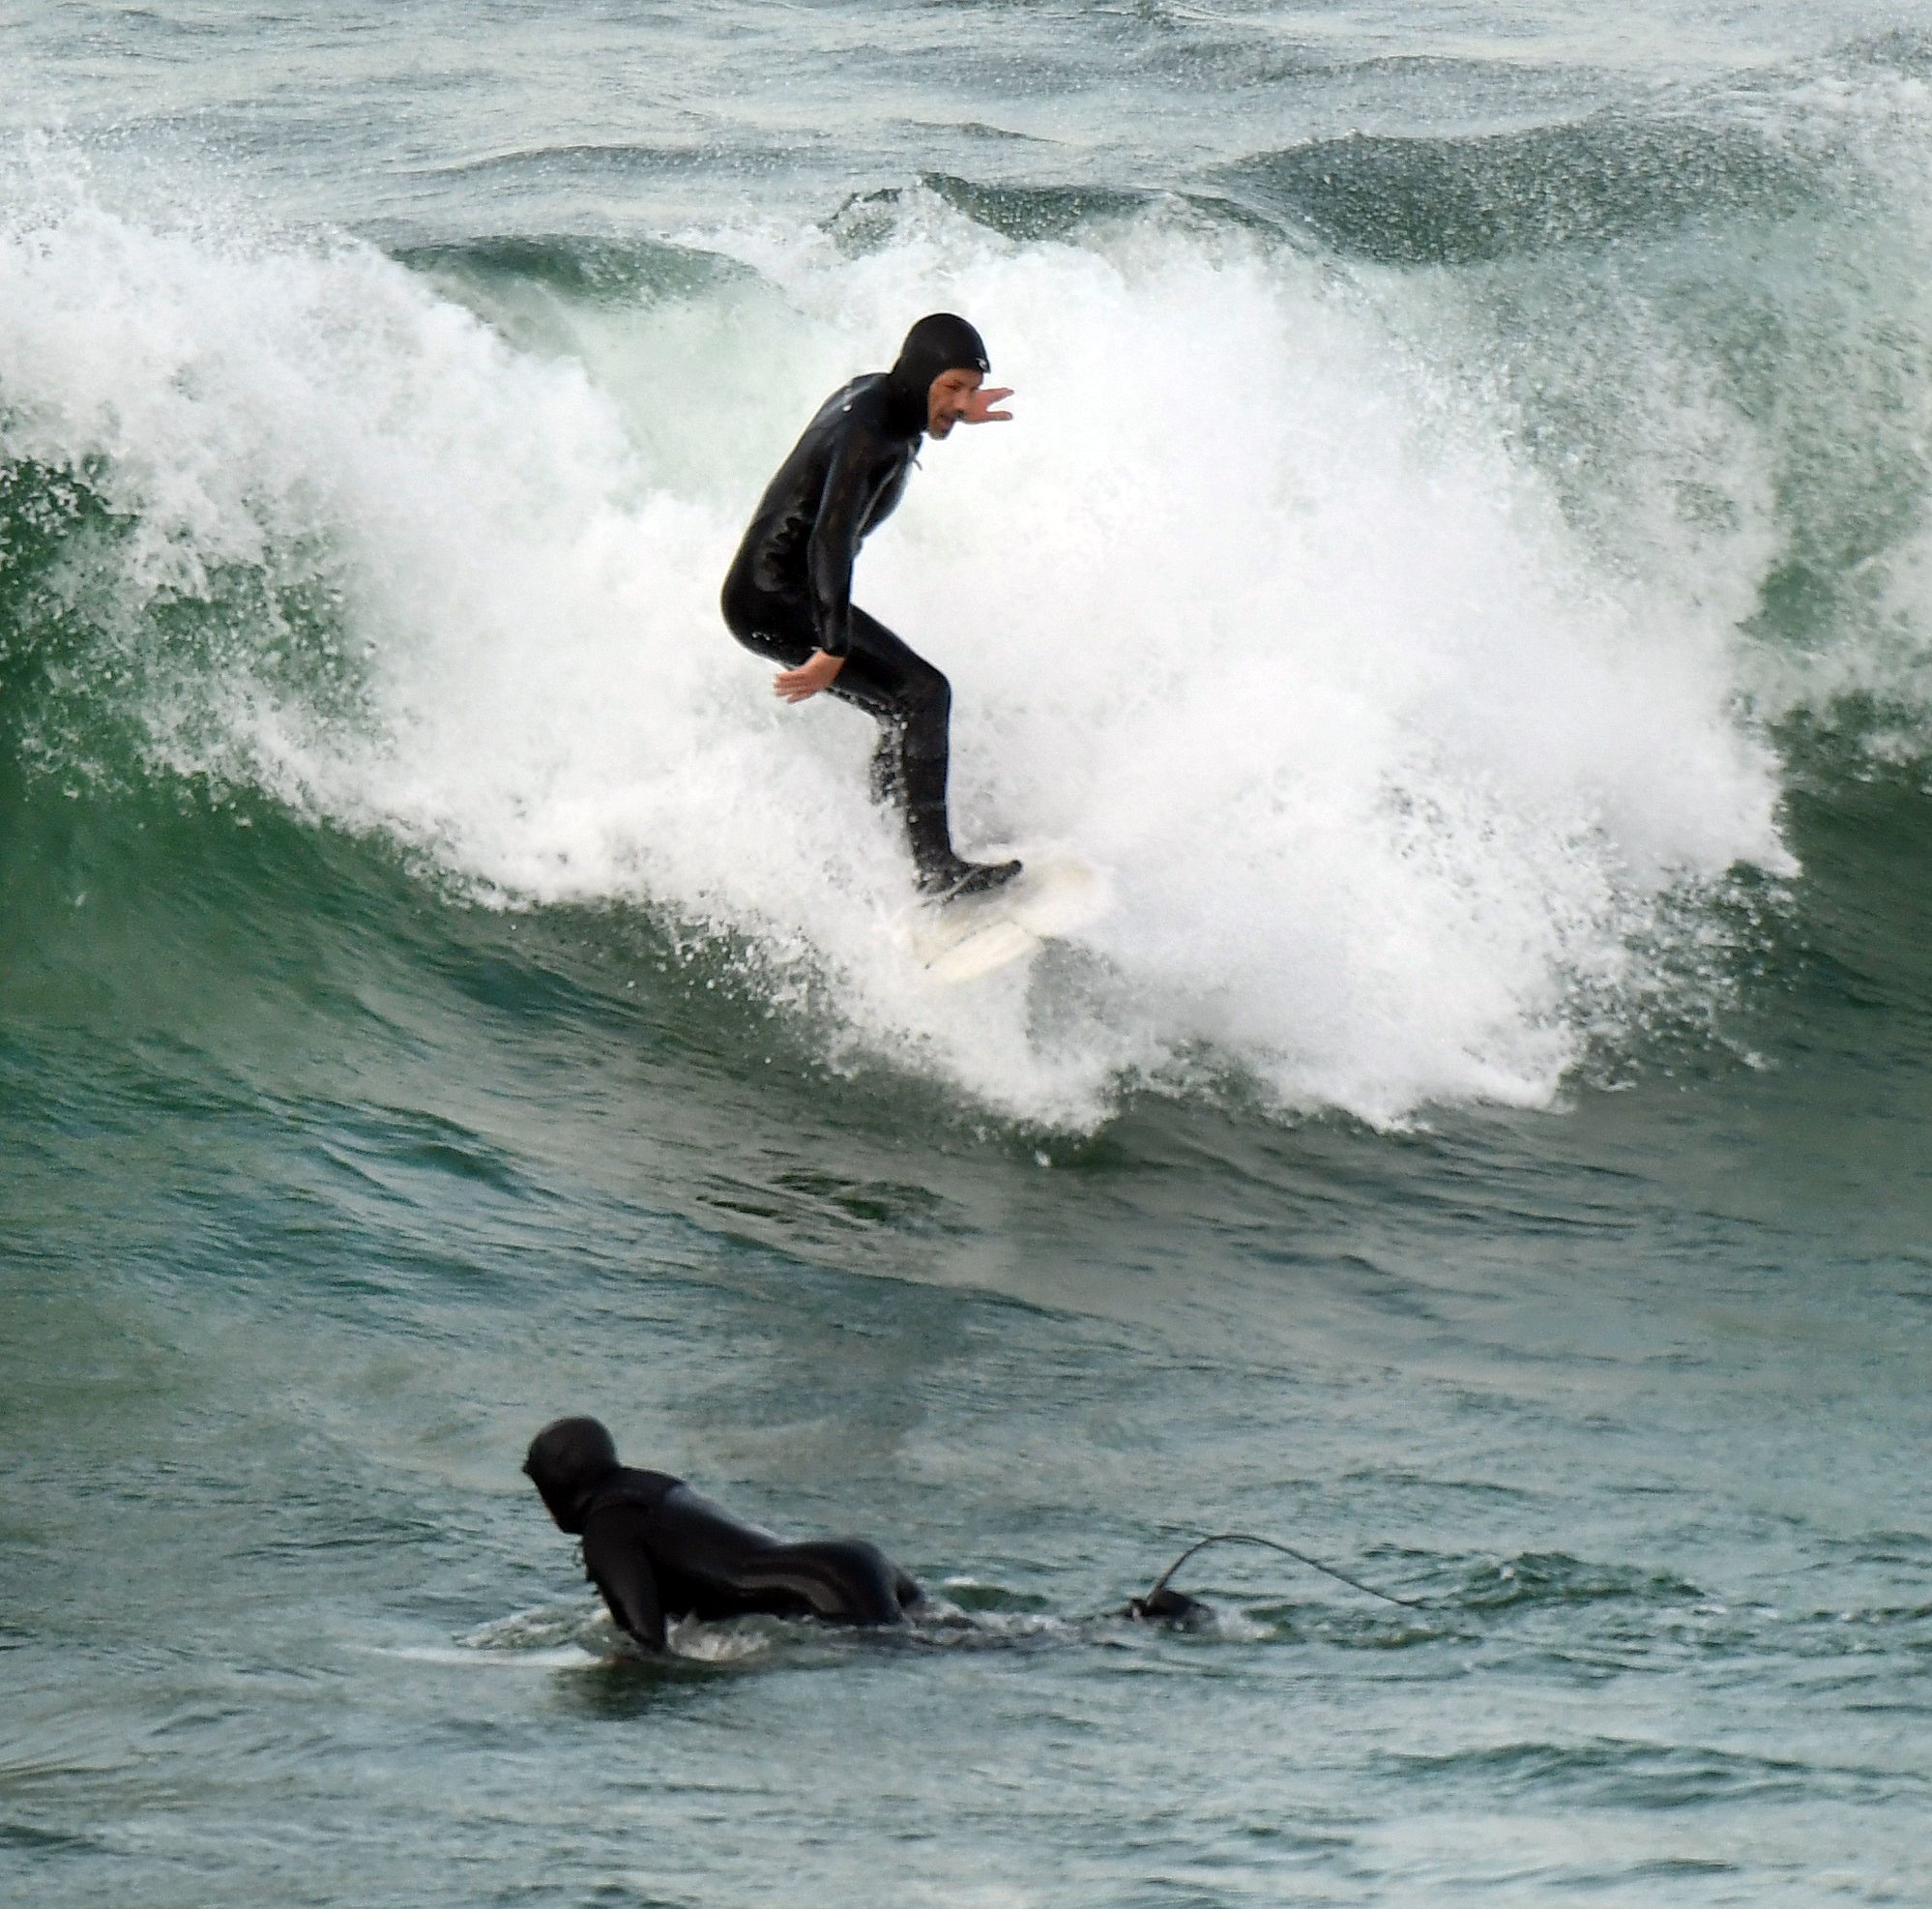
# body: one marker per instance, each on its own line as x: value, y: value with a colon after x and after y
x: 1459, y: 567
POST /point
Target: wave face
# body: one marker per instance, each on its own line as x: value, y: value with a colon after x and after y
x: 1393, y: 611
x: 1413, y: 786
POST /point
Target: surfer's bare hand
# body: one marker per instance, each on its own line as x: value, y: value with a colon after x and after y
x: 812, y: 676
x: 978, y: 407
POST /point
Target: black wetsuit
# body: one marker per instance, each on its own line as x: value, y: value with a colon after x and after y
x: 789, y: 589
x: 657, y: 1550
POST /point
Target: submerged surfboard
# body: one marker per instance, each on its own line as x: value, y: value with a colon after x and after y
x: 1052, y: 895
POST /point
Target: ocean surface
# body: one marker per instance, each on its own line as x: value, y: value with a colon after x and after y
x: 1461, y: 568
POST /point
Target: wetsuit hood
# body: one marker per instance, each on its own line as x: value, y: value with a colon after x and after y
x: 567, y: 1460
x: 940, y: 341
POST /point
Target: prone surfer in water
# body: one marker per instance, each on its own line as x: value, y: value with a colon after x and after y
x: 788, y: 595
x: 657, y: 1550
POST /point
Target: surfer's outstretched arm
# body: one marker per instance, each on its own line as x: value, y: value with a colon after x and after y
x: 863, y: 464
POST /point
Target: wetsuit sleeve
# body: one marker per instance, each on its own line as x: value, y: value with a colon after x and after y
x: 617, y: 1560
x: 845, y: 509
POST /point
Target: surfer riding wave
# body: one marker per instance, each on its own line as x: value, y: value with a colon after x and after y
x: 788, y: 595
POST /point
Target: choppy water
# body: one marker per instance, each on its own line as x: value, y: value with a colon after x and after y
x: 1461, y: 566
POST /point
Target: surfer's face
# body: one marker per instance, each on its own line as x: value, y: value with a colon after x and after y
x: 948, y: 400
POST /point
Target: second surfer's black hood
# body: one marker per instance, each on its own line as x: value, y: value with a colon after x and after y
x: 939, y: 342
x: 568, y: 1459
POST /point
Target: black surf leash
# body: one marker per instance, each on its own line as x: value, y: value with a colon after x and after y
x: 1161, y: 1602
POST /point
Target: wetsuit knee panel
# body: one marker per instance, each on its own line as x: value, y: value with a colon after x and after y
x: 930, y: 693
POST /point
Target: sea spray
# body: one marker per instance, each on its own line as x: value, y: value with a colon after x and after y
x: 1390, y: 777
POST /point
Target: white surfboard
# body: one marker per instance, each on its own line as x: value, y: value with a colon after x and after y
x: 978, y: 934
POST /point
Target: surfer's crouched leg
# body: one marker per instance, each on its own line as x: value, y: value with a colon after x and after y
x: 882, y: 778
x: 915, y: 701
x: 910, y: 701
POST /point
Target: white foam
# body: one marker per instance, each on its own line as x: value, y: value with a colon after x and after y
x: 1386, y: 776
